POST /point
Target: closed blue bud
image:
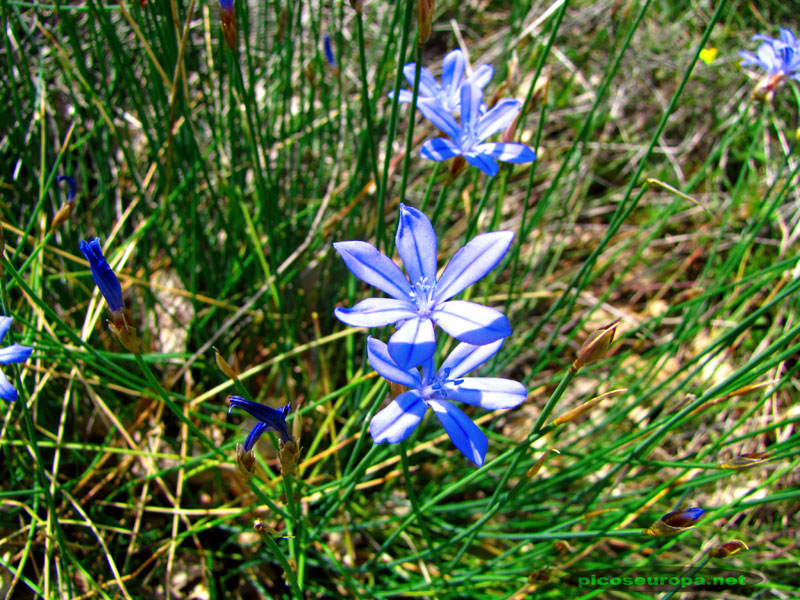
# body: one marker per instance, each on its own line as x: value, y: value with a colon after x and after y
x: 71, y: 185
x: 326, y: 42
x: 102, y: 274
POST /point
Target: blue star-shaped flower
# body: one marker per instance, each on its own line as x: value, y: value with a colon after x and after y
x: 102, y: 274
x: 417, y: 304
x: 778, y: 57
x: 9, y: 355
x: 446, y: 96
x: 436, y: 388
x: 268, y: 419
x: 468, y: 139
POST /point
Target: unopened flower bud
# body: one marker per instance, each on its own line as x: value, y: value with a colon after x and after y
x: 675, y: 522
x: 563, y: 547
x: 458, y: 164
x: 513, y: 72
x: 585, y: 407
x: 263, y: 528
x: 745, y: 461
x: 541, y: 576
x: 245, y: 462
x: 329, y: 57
x: 538, y: 465
x: 728, y: 549
x: 223, y: 365
x: 425, y: 16
x: 595, y: 346
x: 62, y: 215
x: 122, y: 327
x: 508, y: 136
x: 396, y: 389
x: 357, y: 4
x: 289, y: 454
x: 228, y: 20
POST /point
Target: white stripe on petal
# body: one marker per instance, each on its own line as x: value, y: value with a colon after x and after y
x: 439, y: 149
x: 396, y: 422
x: 384, y: 364
x: 470, y: 322
x: 376, y: 312
x: 466, y: 436
x: 374, y: 268
x: 479, y: 256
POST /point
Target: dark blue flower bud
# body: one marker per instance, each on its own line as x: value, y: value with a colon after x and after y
x: 102, y: 274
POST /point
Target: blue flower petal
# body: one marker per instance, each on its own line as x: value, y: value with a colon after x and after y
x: 482, y: 161
x: 376, y: 312
x: 471, y: 323
x: 466, y: 436
x: 14, y: 354
x: 416, y: 244
x: 499, y: 118
x: 768, y: 58
x: 403, y: 96
x: 466, y: 357
x: 471, y: 99
x: 412, y: 343
x: 439, y: 149
x: 788, y: 38
x: 396, y: 422
x: 472, y: 262
x: 102, y: 274
x: 71, y: 186
x: 749, y: 59
x: 275, y: 419
x: 453, y: 67
x: 481, y: 76
x: 374, y: 268
x: 7, y: 391
x: 512, y: 152
x: 380, y: 360
x: 490, y: 393
x: 5, y: 325
x: 427, y: 82
x: 439, y: 116
x: 258, y: 429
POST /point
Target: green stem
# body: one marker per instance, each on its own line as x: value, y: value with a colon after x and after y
x: 287, y: 568
x: 551, y: 404
x: 410, y: 132
x: 297, y: 529
x: 690, y: 573
x: 387, y: 158
x: 412, y: 497
x: 362, y: 59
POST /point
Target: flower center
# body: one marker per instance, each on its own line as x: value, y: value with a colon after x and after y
x: 435, y: 389
x: 469, y: 137
x: 421, y: 295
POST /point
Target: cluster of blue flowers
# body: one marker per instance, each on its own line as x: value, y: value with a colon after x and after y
x: 462, y: 95
x: 417, y: 303
x: 780, y: 58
